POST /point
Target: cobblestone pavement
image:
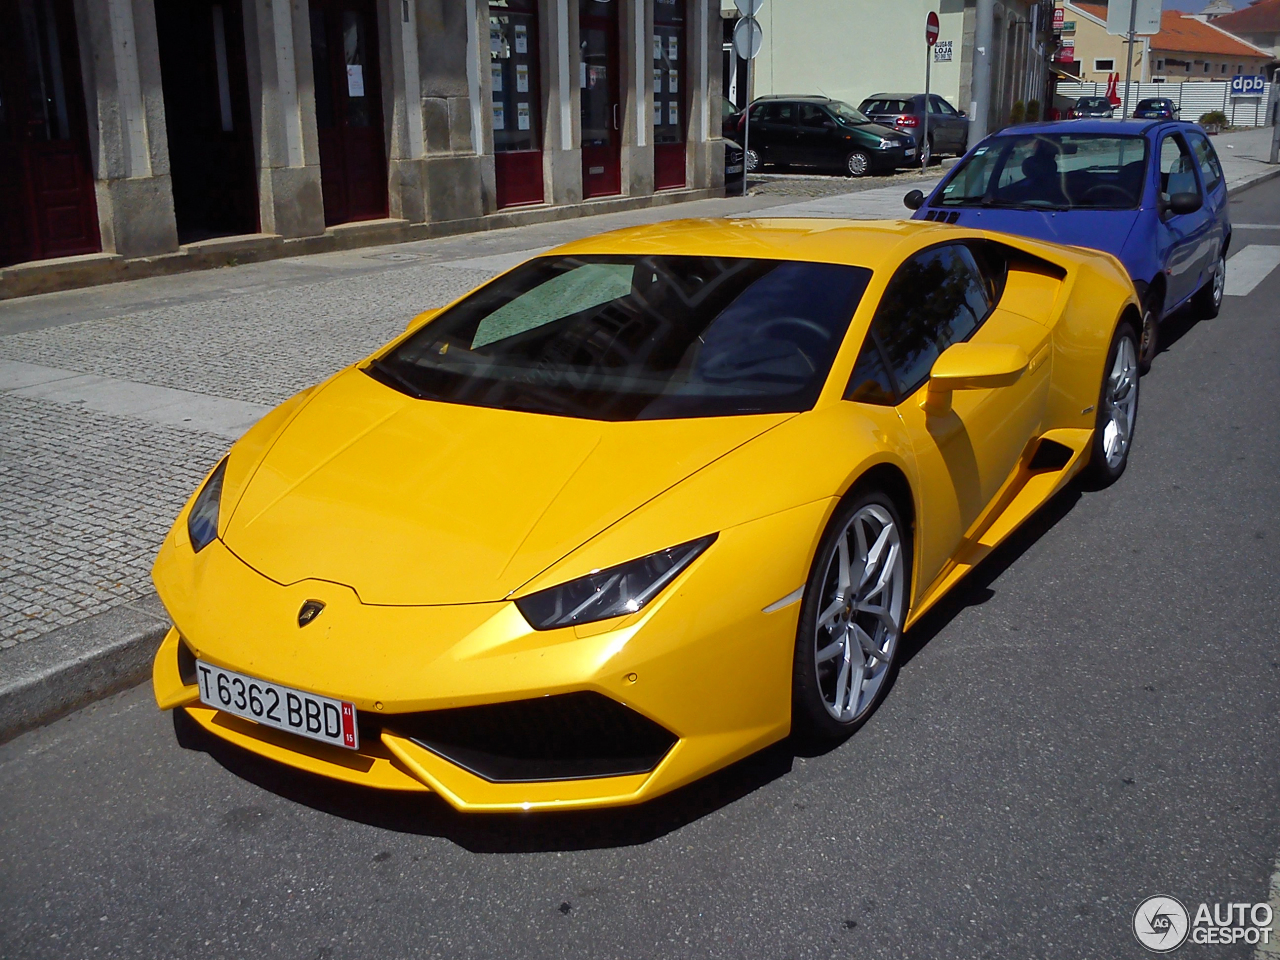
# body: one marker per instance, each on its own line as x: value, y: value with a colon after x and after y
x: 87, y: 496
x: 792, y: 183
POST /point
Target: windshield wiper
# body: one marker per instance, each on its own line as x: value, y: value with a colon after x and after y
x: 387, y: 370
x: 1025, y: 205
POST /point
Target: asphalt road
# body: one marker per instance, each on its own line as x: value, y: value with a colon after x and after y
x: 1093, y: 719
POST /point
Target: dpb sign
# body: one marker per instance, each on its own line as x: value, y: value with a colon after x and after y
x: 1248, y: 86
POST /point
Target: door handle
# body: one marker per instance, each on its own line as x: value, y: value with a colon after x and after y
x: 615, y: 116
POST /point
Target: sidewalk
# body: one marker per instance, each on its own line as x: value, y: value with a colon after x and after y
x: 115, y: 400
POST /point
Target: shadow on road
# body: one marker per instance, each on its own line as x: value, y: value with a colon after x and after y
x: 429, y: 815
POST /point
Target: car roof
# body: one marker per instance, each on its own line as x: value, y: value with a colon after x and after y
x: 799, y: 96
x: 894, y: 96
x: 1084, y: 125
x: 874, y: 244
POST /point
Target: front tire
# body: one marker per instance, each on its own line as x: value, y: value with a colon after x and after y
x: 1117, y: 410
x: 751, y: 162
x: 854, y: 606
x: 858, y: 163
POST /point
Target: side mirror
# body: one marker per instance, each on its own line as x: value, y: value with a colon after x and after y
x: 421, y: 319
x: 972, y: 366
x: 963, y: 114
x: 913, y: 200
x: 1182, y: 203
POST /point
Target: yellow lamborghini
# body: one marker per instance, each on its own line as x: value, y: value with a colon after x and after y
x: 640, y: 506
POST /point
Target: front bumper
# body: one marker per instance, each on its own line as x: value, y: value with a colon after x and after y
x: 703, y: 662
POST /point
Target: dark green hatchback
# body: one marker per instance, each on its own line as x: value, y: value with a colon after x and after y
x: 820, y: 132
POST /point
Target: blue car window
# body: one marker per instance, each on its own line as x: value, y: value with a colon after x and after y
x: 1177, y: 168
x: 1210, y: 169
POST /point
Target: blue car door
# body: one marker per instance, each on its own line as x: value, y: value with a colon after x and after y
x: 1184, y: 238
x: 1215, y: 197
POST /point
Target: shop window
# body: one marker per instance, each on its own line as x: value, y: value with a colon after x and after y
x: 516, y: 106
x: 669, y: 56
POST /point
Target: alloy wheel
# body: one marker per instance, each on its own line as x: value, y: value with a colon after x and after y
x: 1122, y: 404
x: 752, y: 161
x: 1219, y: 281
x: 857, y: 632
x: 857, y: 163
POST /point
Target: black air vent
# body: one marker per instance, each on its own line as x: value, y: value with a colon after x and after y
x: 572, y: 736
x: 1050, y: 455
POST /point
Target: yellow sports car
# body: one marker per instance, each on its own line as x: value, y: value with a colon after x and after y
x: 640, y: 506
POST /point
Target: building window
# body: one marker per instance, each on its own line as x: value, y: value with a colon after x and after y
x: 1160, y: 65
x: 1207, y: 67
x: 1239, y: 68
x: 1223, y: 68
x: 1101, y: 65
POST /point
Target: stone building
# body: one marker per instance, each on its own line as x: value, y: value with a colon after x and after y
x: 162, y: 128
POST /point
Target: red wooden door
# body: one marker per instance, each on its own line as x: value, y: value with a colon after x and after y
x: 353, y: 163
x: 47, y: 204
x: 598, y: 72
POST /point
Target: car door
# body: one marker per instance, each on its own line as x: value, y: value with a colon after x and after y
x: 1184, y: 238
x: 816, y: 137
x: 952, y: 127
x: 773, y: 136
x: 1214, y: 185
x: 940, y: 296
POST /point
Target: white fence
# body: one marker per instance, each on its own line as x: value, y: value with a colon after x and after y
x: 1194, y: 99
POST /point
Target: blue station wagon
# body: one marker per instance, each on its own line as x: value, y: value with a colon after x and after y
x: 1151, y: 193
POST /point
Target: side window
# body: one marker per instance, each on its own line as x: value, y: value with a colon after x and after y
x: 1210, y: 169
x: 812, y: 116
x: 945, y: 108
x: 870, y: 381
x: 1177, y: 169
x: 937, y: 298
x: 780, y: 113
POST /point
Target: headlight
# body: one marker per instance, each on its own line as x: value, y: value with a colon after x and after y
x: 615, y: 592
x: 889, y: 144
x: 202, y: 521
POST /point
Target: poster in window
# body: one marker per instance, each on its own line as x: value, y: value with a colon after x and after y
x: 673, y: 48
x: 495, y: 41
x: 522, y: 78
x: 657, y: 48
x: 673, y: 112
x: 657, y: 80
x: 495, y: 71
x: 499, y: 117
x: 673, y: 81
x: 657, y: 113
x: 582, y: 75
x: 522, y: 116
x: 355, y: 80
x: 522, y: 38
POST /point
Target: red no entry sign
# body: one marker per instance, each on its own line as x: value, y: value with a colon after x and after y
x: 931, y: 29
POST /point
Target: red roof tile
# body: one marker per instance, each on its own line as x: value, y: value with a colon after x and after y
x: 1260, y: 16
x: 1183, y: 34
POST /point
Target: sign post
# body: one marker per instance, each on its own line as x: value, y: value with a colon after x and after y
x: 747, y: 40
x: 930, y: 38
x: 1131, y: 18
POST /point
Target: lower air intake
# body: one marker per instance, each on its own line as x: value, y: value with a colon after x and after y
x: 571, y: 736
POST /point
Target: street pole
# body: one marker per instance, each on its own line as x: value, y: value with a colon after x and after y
x: 1128, y: 65
x: 980, y: 93
x: 924, y: 144
x: 1273, y: 114
x: 746, y: 129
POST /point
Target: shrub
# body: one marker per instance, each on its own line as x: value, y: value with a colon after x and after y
x: 1213, y: 118
x: 1033, y: 110
x: 1018, y: 113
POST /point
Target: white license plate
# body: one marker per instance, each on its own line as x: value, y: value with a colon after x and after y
x: 734, y: 168
x: 910, y: 152
x: 296, y: 711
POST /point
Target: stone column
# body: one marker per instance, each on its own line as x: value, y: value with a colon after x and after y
x: 406, y: 153
x: 706, y: 148
x: 128, y: 144
x: 453, y: 37
x: 282, y: 104
x: 636, y: 93
x: 561, y: 146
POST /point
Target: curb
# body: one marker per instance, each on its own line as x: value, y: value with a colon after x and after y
x: 65, y: 669
x: 1250, y: 184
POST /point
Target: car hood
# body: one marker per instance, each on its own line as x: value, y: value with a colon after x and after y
x: 415, y: 502
x: 883, y: 131
x: 1105, y: 230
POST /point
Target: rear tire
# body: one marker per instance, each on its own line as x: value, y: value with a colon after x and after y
x: 1148, y: 340
x: 1117, y: 410
x: 751, y: 162
x: 1208, y: 299
x: 855, y: 603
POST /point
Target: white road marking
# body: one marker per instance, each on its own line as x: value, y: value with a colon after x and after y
x: 1255, y: 226
x: 1249, y: 267
x: 124, y: 398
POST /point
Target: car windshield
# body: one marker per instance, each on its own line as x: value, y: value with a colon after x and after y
x: 636, y: 338
x: 847, y: 113
x: 1051, y: 171
x: 1093, y: 103
x: 1151, y: 104
x: 888, y: 106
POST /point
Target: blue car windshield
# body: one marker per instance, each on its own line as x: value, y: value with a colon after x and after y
x: 636, y: 338
x: 1063, y: 171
